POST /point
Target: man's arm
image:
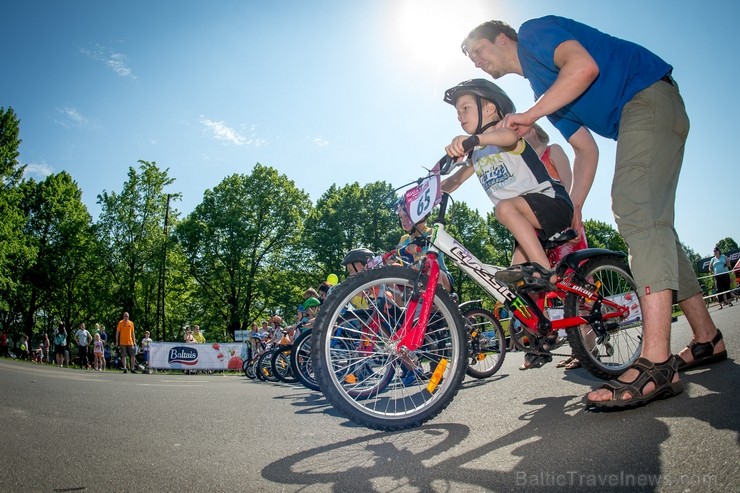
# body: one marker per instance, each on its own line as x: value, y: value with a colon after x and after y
x: 584, y: 171
x: 577, y: 72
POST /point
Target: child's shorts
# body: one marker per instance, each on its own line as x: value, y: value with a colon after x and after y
x: 553, y: 214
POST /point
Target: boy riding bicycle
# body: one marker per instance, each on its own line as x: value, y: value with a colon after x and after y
x: 527, y: 200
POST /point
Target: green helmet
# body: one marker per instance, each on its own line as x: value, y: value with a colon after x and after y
x: 311, y: 302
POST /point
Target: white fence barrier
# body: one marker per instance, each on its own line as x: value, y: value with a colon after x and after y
x: 733, y: 275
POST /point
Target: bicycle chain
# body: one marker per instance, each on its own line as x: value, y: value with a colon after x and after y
x: 530, y: 350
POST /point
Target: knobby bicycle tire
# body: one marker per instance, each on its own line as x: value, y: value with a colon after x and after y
x: 606, y: 356
x: 280, y: 364
x: 356, y: 363
x: 486, y: 342
x: 300, y: 361
x: 264, y: 367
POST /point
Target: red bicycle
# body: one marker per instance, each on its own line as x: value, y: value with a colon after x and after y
x: 390, y: 349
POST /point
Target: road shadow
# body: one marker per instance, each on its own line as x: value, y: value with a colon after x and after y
x: 558, y: 447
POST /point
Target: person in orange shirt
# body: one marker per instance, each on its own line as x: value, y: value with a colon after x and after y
x: 126, y: 342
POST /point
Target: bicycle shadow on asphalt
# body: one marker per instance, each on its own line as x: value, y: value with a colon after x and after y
x: 552, y: 441
x: 560, y: 447
x: 472, y: 383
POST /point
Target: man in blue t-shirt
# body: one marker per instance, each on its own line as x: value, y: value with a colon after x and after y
x: 585, y: 80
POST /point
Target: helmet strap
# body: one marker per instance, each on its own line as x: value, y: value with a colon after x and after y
x: 479, y: 102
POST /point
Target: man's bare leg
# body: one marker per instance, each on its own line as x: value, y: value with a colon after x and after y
x: 656, y: 347
x: 701, y: 323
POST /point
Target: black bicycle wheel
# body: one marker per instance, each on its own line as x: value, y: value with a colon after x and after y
x: 280, y: 364
x: 486, y: 342
x: 264, y: 367
x: 300, y: 361
x: 359, y: 366
x: 249, y: 369
x: 607, y: 350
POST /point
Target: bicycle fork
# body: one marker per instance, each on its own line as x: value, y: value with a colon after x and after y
x: 410, y: 336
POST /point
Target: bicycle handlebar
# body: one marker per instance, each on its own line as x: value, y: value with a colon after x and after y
x: 446, y: 164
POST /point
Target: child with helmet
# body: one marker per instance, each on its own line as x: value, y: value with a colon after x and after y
x: 530, y: 203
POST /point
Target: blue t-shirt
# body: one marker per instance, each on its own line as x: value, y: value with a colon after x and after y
x: 625, y: 68
x: 718, y: 265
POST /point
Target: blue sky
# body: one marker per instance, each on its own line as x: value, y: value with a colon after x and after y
x: 326, y: 91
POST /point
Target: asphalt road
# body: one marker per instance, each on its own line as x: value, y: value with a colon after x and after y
x: 66, y: 430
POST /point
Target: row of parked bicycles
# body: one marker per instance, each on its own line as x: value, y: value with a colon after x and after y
x: 289, y: 359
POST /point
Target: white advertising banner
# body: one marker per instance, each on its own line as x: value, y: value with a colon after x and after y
x: 208, y: 356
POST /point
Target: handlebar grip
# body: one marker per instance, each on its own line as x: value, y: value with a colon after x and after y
x: 446, y: 162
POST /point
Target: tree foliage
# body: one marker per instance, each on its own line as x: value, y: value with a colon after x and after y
x: 351, y: 217
x: 131, y: 230
x: 13, y: 247
x: 240, y: 242
x: 601, y: 235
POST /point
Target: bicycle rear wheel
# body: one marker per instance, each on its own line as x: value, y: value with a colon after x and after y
x: 249, y: 371
x: 606, y: 352
x: 300, y: 361
x: 360, y: 369
x: 264, y: 367
x: 486, y: 343
x: 280, y: 364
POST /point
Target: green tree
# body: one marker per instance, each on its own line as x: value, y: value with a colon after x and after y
x: 131, y: 228
x: 467, y: 226
x: 241, y: 242
x: 726, y: 245
x: 601, y: 235
x: 350, y: 217
x: 13, y: 249
x: 57, y: 282
x: 501, y: 241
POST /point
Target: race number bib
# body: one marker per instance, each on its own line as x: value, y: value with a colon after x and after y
x: 421, y: 199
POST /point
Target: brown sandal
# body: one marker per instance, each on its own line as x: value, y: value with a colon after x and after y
x: 659, y: 374
x: 573, y: 364
x: 565, y: 362
x: 703, y: 353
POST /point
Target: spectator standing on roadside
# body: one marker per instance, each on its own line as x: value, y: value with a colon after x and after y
x: 146, y: 342
x: 126, y: 341
x: 106, y: 349
x: 83, y: 339
x: 60, y: 344
x: 47, y: 346
x: 4, y: 344
x: 98, y: 353
x: 720, y: 267
x: 197, y: 335
x: 189, y: 336
x: 25, y: 348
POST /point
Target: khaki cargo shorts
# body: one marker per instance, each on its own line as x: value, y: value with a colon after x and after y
x: 652, y: 134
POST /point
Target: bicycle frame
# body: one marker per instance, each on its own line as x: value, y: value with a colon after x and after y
x: 411, y: 334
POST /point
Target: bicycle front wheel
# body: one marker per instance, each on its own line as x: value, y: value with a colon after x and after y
x: 264, y: 366
x: 606, y: 348
x: 486, y: 343
x: 280, y: 365
x: 358, y: 363
x: 300, y: 361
